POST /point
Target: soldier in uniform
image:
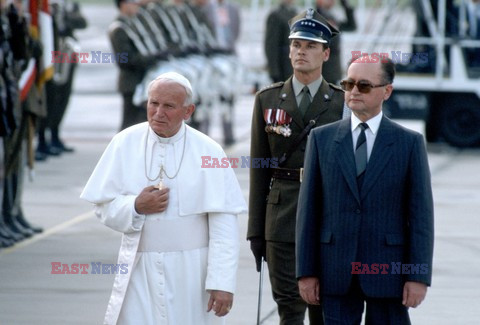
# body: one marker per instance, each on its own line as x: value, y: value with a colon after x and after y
x: 13, y: 225
x: 66, y: 18
x: 276, y: 41
x: 284, y: 113
x: 134, y: 60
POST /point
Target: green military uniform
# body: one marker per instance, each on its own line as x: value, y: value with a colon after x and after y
x: 12, y: 219
x: 132, y: 70
x: 274, y: 188
x: 272, y: 210
x: 270, y: 219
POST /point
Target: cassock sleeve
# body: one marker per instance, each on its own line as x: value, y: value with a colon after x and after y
x: 120, y: 214
x: 223, y: 252
x: 113, y: 188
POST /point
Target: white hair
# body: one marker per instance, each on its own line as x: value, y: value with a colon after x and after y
x: 179, y: 79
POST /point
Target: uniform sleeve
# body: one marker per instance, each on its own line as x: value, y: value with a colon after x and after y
x: 223, y: 252
x: 259, y: 177
x: 121, y: 43
x: 120, y: 215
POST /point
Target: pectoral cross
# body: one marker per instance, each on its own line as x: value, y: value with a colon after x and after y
x: 160, y: 185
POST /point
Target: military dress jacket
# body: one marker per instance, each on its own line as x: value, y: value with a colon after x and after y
x: 132, y: 63
x: 273, y: 203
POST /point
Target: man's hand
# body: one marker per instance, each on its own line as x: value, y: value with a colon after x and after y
x: 413, y: 293
x: 151, y: 200
x: 309, y: 288
x: 258, y: 246
x: 220, y: 302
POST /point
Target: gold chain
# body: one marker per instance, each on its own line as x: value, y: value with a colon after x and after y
x: 163, y: 170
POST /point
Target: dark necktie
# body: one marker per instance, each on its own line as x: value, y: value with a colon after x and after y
x: 361, y: 154
x: 305, y: 102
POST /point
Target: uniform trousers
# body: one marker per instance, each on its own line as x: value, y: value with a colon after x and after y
x: 281, y: 267
x: 132, y: 114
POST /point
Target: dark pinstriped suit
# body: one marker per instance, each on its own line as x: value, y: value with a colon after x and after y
x: 390, y: 221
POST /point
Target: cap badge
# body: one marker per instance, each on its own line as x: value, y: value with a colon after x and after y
x: 309, y: 13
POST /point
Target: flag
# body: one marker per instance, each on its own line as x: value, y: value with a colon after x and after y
x: 27, y: 79
x: 41, y: 29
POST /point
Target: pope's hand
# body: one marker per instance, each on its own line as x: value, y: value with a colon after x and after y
x: 220, y: 302
x: 151, y: 200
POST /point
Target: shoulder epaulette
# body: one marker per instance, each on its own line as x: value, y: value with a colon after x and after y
x: 114, y: 25
x: 272, y: 86
x: 336, y: 87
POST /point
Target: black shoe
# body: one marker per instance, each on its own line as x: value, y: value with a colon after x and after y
x: 49, y: 150
x: 18, y: 228
x: 59, y: 145
x: 7, y: 232
x: 23, y: 222
x: 4, y: 242
x: 40, y: 156
x: 36, y: 229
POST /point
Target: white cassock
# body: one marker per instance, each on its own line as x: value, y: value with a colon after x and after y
x: 175, y: 257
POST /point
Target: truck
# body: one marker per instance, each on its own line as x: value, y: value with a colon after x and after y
x: 438, y: 79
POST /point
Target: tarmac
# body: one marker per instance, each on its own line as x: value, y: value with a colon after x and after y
x: 31, y: 294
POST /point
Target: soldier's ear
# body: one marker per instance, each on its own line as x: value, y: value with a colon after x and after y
x: 326, y: 54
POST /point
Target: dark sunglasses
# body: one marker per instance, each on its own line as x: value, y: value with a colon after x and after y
x: 363, y: 86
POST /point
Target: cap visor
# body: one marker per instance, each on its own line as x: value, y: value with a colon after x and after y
x: 307, y: 36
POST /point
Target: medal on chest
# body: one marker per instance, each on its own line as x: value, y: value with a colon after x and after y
x: 278, y: 121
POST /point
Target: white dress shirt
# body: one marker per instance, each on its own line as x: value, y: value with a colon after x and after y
x: 370, y: 133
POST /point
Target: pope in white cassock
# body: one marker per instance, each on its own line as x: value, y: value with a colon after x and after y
x: 179, y: 220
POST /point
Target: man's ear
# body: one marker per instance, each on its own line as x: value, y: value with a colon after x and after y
x: 189, y: 111
x: 388, y: 91
x: 327, y: 55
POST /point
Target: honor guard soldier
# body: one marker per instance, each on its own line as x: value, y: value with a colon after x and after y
x: 136, y: 54
x: 283, y: 116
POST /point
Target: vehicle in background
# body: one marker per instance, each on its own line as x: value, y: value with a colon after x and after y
x: 438, y: 70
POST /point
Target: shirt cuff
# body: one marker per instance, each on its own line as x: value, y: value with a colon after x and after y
x: 137, y: 219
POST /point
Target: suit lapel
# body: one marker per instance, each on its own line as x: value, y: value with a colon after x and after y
x: 288, y: 103
x: 380, y: 156
x: 345, y: 157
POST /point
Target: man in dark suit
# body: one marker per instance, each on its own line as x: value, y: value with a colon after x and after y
x: 282, y: 119
x: 276, y: 43
x: 365, y: 210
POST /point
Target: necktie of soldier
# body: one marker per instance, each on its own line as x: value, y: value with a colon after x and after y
x: 305, y: 102
x: 361, y: 154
